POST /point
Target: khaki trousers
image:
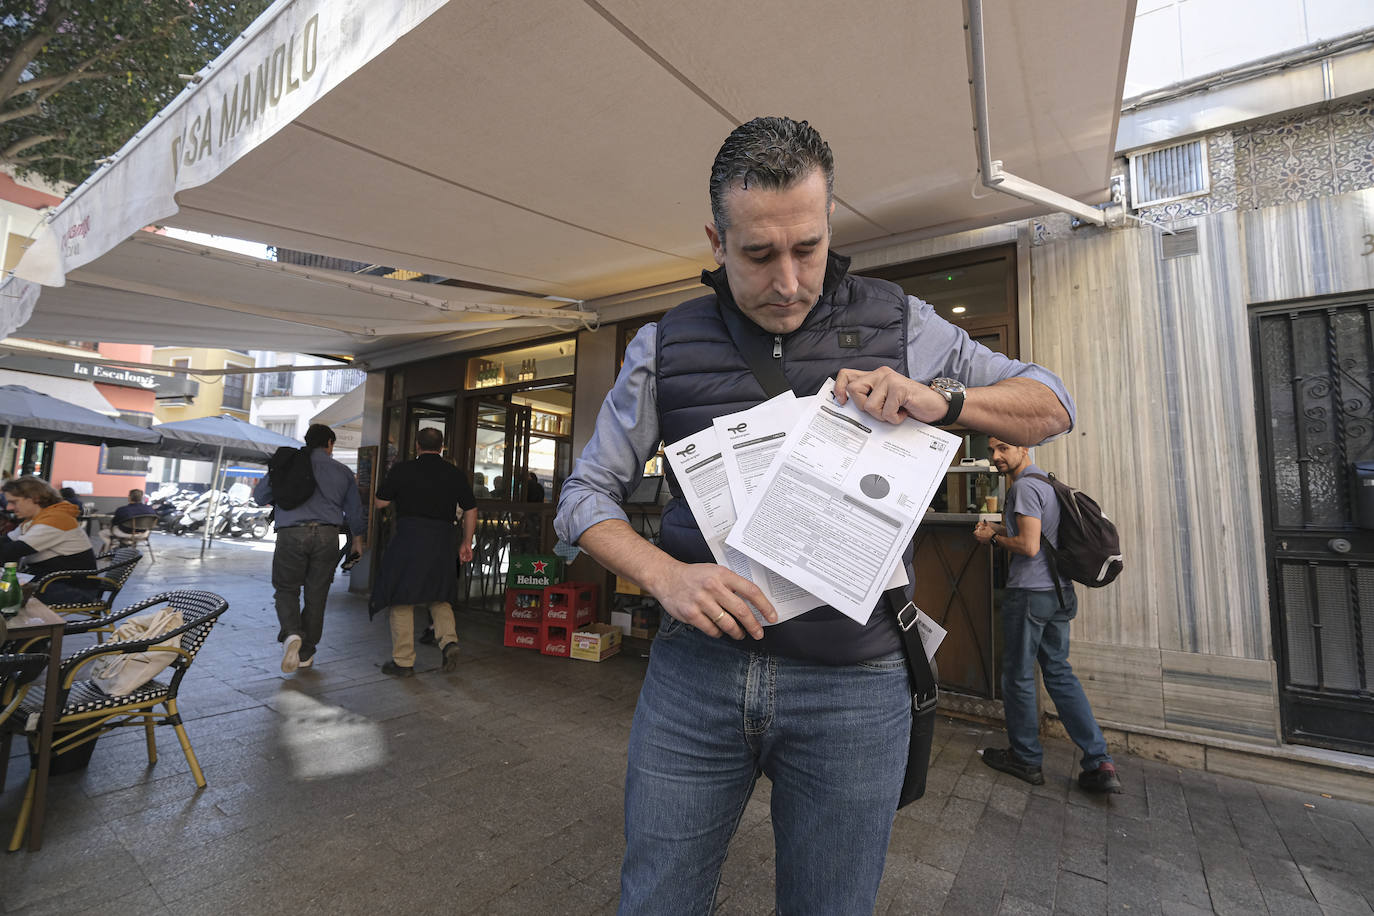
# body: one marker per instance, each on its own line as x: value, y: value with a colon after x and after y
x: 403, y: 630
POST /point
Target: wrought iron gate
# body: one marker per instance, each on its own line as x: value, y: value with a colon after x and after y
x: 1314, y: 366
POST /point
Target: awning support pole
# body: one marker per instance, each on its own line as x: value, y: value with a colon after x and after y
x: 205, y: 536
x: 990, y: 170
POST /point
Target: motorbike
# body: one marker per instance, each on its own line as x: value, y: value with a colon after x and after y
x: 170, y: 504
x: 248, y: 520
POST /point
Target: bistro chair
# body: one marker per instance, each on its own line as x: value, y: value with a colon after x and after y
x: 143, y: 526
x: 105, y: 584
x: 18, y: 671
x: 86, y: 712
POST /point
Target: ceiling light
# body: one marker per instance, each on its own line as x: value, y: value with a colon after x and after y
x: 958, y: 310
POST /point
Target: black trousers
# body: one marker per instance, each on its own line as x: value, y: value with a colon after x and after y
x: 304, y: 559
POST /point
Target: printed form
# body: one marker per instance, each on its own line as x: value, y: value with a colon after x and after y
x: 700, y: 468
x: 841, y: 501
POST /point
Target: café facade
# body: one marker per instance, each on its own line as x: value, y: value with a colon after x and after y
x: 1208, y: 306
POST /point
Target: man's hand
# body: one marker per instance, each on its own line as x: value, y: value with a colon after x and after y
x: 890, y: 396
x: 712, y: 599
x: 359, y: 545
x: 465, y: 553
x: 983, y: 533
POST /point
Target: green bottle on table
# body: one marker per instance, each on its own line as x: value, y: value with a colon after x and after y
x: 11, y: 595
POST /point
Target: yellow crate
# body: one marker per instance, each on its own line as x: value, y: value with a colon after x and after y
x: 595, y: 642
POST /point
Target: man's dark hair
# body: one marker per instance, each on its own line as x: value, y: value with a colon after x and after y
x: 429, y: 439
x: 135, y: 496
x: 769, y: 153
x: 318, y: 436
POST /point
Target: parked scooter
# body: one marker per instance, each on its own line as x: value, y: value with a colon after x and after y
x: 248, y: 520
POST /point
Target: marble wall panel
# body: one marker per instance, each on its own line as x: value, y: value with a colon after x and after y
x: 1232, y: 697
x: 1156, y: 353
x: 1310, y: 248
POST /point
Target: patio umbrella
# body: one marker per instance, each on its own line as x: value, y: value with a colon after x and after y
x: 217, y: 438
x: 34, y: 415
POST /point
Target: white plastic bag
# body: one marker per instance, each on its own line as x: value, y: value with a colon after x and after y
x: 119, y: 675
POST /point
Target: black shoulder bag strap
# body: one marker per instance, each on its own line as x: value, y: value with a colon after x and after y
x: 768, y: 372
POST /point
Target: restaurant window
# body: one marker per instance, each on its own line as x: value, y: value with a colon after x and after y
x: 975, y: 290
x: 124, y: 459
x: 556, y: 359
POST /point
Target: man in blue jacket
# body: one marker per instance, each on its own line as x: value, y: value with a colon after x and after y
x: 308, y: 547
x: 820, y: 704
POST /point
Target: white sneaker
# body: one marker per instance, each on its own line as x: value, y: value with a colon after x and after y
x: 291, y: 657
x: 306, y: 662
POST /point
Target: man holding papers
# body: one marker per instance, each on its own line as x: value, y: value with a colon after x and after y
x: 821, y: 702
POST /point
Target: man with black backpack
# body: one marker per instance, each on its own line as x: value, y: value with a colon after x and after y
x: 316, y: 500
x: 1036, y: 610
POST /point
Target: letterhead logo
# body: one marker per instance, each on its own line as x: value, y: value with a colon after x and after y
x: 739, y: 429
x: 687, y: 452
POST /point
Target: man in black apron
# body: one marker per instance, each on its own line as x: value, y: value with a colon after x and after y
x: 430, y: 495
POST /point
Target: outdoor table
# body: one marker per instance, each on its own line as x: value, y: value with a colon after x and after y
x: 99, y: 519
x: 35, y: 619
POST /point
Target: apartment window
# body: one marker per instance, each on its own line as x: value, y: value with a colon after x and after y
x: 275, y: 384
x: 235, y: 390
x: 286, y: 428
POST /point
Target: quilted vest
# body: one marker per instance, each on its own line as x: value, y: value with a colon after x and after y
x: 858, y: 323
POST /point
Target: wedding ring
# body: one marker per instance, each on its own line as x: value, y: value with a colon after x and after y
x: 716, y: 619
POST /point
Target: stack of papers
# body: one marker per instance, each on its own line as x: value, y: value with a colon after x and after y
x: 812, y: 501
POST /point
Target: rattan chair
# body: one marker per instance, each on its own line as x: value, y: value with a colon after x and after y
x: 87, y: 712
x: 18, y: 671
x: 104, y: 584
x: 142, y: 526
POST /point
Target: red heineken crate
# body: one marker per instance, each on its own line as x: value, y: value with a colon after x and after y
x: 570, y: 604
x: 523, y: 635
x: 525, y: 605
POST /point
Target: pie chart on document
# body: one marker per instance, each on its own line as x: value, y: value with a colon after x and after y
x: 874, y: 486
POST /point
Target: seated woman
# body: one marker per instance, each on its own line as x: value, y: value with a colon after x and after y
x: 48, y: 539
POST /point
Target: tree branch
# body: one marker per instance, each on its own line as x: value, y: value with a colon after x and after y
x: 30, y: 160
x: 43, y: 82
x: 28, y: 50
x: 15, y: 114
x: 28, y: 142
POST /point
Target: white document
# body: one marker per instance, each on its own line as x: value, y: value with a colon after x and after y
x: 749, y: 441
x: 841, y: 501
x: 700, y: 470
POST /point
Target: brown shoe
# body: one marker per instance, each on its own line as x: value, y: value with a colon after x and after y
x: 451, y: 658
x: 396, y: 670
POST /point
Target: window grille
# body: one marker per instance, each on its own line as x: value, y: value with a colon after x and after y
x: 1171, y: 173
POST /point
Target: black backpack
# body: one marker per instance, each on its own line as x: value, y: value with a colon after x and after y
x: 291, y: 476
x: 1089, y: 550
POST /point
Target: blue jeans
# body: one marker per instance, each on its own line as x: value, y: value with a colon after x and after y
x: 711, y: 717
x: 1034, y: 629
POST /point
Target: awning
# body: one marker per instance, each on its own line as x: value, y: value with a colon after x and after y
x: 71, y: 390
x: 345, y: 413
x: 563, y: 149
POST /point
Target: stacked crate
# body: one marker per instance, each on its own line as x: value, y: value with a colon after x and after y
x: 566, y: 607
x: 526, y: 581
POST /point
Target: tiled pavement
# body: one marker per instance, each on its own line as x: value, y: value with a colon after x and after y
x: 497, y: 789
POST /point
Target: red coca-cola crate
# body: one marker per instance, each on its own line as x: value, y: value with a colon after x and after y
x: 525, y: 605
x: 570, y: 604
x: 523, y: 635
x: 555, y: 638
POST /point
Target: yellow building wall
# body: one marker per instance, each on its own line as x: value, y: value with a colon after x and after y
x: 209, y: 402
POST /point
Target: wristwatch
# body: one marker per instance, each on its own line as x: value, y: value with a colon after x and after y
x: 952, y: 390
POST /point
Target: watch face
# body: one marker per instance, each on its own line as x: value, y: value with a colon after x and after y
x: 947, y: 386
